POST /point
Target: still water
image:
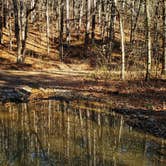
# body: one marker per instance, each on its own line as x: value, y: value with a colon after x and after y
x: 59, y: 133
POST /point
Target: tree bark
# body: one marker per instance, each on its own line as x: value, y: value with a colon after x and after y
x: 164, y: 38
x: 148, y: 39
x: 1, y: 21
x: 80, y: 18
x: 134, y: 21
x: 21, y: 13
x: 48, y: 27
x: 111, y: 32
x: 61, y: 27
x: 123, y: 48
x: 67, y: 23
x: 93, y: 21
x: 88, y: 2
x: 121, y: 22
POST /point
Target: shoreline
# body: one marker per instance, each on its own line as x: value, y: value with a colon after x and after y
x: 148, y: 121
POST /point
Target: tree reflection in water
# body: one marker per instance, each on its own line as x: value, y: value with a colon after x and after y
x: 72, y: 133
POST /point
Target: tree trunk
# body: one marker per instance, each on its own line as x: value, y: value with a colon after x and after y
x: 67, y: 23
x: 132, y: 22
x: 10, y: 29
x: 80, y: 18
x: 5, y: 12
x: 93, y: 21
x: 111, y: 32
x: 88, y: 2
x: 99, y: 21
x: 61, y: 17
x: 21, y: 13
x: 32, y: 14
x: 121, y: 22
x: 123, y: 48
x: 1, y: 21
x: 148, y: 39
x: 48, y: 27
x: 164, y: 38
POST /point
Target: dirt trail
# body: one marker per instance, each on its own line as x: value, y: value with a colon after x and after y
x: 126, y: 94
x: 45, y: 79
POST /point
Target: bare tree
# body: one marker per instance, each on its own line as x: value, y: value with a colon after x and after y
x: 1, y: 20
x: 148, y: 39
x: 67, y: 22
x: 164, y: 38
x: 93, y: 21
x: 61, y: 27
x: 88, y: 9
x: 121, y: 23
x: 48, y: 27
x: 21, y: 14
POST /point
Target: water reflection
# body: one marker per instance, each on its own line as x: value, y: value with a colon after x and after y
x: 72, y: 133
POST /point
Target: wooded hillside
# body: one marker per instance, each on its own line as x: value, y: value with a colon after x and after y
x: 119, y: 35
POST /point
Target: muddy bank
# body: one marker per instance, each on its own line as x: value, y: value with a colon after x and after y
x: 26, y: 94
x: 13, y: 95
x: 149, y: 121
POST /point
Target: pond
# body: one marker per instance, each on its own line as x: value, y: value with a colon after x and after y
x: 77, y: 133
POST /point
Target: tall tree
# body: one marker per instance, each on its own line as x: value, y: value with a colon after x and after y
x: 111, y: 30
x: 1, y: 20
x: 93, y: 21
x: 67, y: 22
x: 21, y: 15
x: 61, y: 27
x: 148, y: 39
x: 135, y: 12
x: 122, y: 34
x: 88, y: 9
x: 164, y: 38
x: 48, y: 26
x: 80, y: 17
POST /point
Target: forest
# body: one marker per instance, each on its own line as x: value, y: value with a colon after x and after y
x: 121, y: 35
x: 83, y: 82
